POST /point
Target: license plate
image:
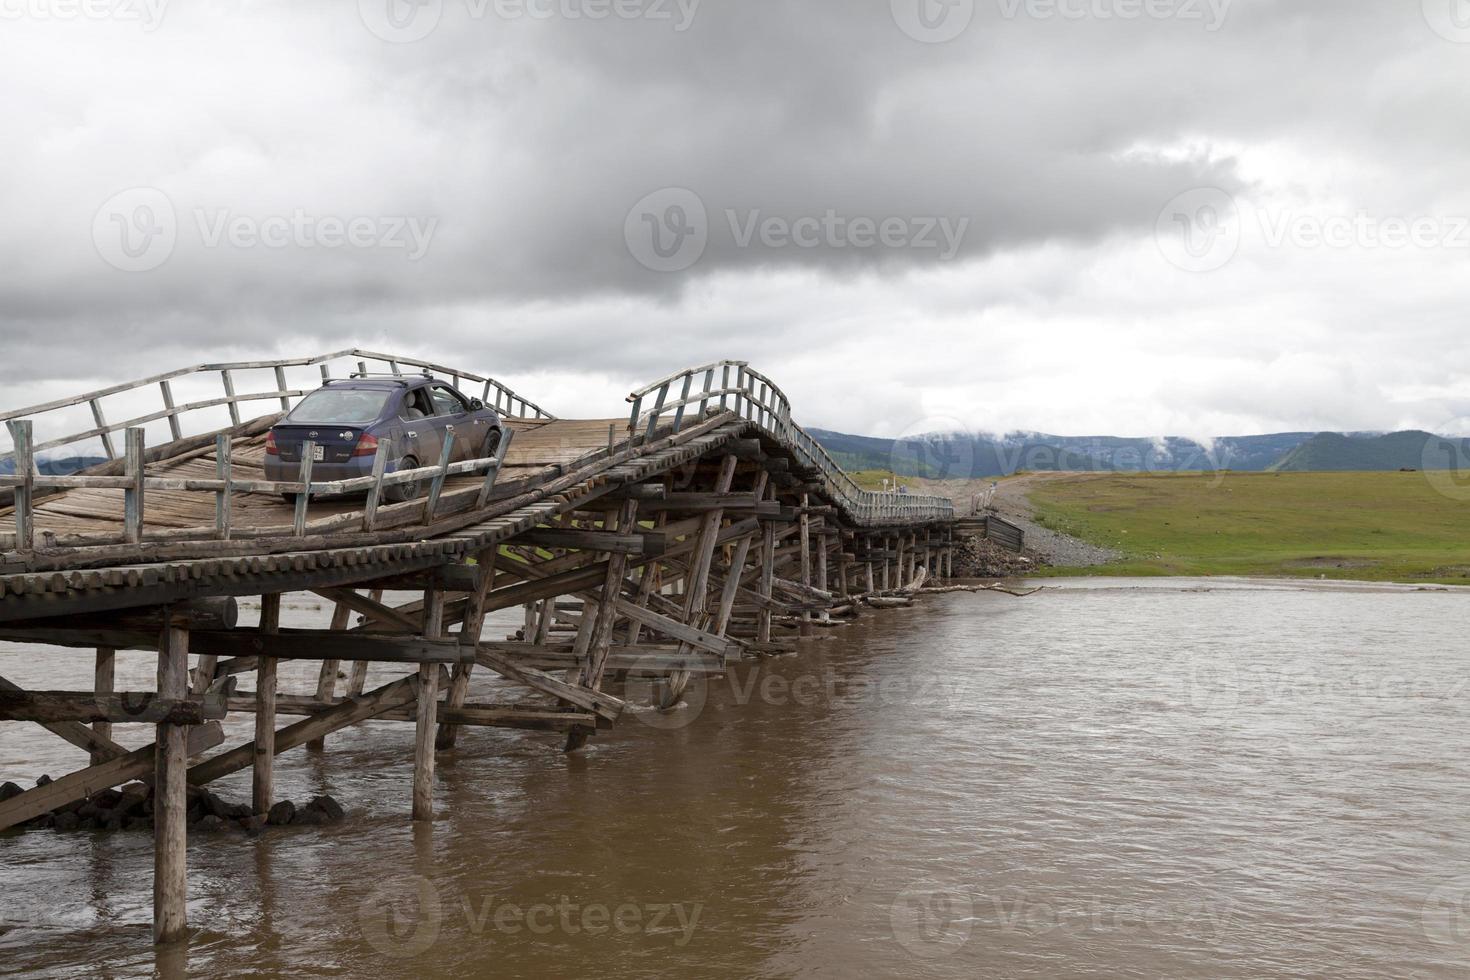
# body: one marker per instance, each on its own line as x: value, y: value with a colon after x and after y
x: 318, y: 453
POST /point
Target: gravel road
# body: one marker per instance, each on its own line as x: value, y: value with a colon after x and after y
x: 1053, y: 547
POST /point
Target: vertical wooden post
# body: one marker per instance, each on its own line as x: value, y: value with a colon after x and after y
x: 358, y: 681
x: 380, y: 467
x: 326, y: 678
x: 425, y: 718
x: 806, y: 562
x: 768, y: 577
x: 223, y: 470
x: 281, y: 387
x: 107, y: 446
x: 263, y: 776
x: 469, y: 635
x: 170, y: 796
x: 103, y: 681
x: 696, y: 579
x: 133, y: 495
x: 25, y: 468
x: 303, y: 499
x: 436, y: 487
x: 230, y: 395
x: 173, y: 415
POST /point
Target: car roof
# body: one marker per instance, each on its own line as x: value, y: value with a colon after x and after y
x: 379, y: 384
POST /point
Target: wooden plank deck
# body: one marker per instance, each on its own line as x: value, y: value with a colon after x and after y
x: 541, y: 450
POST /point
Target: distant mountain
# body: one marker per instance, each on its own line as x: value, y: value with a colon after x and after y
x: 1413, y: 450
x: 963, y: 455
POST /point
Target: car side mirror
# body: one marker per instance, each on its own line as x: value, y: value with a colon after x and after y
x: 476, y: 404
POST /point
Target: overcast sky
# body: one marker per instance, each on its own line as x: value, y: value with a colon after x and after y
x: 1132, y: 217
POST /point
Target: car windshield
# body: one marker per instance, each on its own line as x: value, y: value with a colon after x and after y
x: 340, y: 406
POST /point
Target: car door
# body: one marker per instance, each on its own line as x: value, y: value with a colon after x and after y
x: 423, y: 435
x: 452, y: 416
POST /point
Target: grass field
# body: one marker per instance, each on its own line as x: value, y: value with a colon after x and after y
x: 1402, y: 527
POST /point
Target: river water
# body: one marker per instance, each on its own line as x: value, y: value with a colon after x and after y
x: 1108, y: 779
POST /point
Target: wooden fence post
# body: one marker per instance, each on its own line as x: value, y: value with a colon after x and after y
x: 170, y: 796
x: 223, y: 470
x: 263, y: 774
x: 25, y: 469
x: 133, y: 495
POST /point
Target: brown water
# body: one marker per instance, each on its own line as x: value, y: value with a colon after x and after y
x: 1103, y: 780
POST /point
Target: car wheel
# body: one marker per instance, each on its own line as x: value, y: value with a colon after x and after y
x: 492, y: 445
x: 402, y: 492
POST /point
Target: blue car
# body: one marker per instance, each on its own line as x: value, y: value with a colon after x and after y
x: 347, y: 420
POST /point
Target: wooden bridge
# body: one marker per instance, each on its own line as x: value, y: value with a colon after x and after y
x: 701, y: 527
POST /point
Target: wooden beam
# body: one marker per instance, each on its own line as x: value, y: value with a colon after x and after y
x: 349, y: 712
x: 621, y: 543
x: 604, y: 705
x: 137, y: 764
x: 100, y: 747
x: 137, y: 706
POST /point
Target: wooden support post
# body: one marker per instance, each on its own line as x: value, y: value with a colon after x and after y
x: 696, y: 582
x: 604, y: 617
x: 173, y: 416
x: 97, y: 417
x: 263, y: 776
x: 767, y: 581
x: 806, y: 560
x: 380, y: 467
x: 436, y: 486
x: 469, y: 635
x: 104, y: 677
x: 170, y: 797
x: 326, y: 678
x: 868, y: 577
x: 25, y: 494
x: 232, y: 402
x: 303, y: 499
x: 222, y: 471
x: 424, y: 719
x: 133, y: 495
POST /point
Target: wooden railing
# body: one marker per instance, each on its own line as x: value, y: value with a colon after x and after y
x: 495, y: 394
x: 135, y: 484
x: 753, y: 396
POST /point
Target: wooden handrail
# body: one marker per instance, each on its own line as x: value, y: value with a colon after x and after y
x: 501, y: 397
x: 760, y: 400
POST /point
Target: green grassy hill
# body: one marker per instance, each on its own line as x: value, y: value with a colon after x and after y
x: 1413, y: 450
x: 1402, y: 527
